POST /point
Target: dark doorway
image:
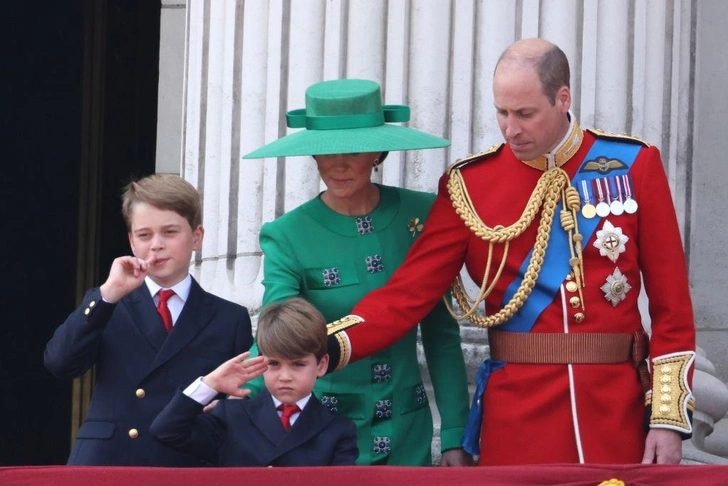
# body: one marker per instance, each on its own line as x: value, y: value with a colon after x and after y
x: 79, y: 92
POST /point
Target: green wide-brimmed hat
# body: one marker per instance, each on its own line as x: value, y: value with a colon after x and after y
x: 346, y: 116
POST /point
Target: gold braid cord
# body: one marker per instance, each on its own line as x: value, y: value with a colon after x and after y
x: 553, y: 186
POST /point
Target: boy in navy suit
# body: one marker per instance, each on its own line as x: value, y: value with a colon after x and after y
x: 148, y: 329
x: 286, y: 425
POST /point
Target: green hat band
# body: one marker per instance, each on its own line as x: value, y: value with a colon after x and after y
x: 388, y: 114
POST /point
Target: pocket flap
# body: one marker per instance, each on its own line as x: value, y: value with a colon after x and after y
x: 332, y: 277
x: 350, y: 405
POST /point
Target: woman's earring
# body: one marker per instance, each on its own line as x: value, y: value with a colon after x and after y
x: 375, y: 164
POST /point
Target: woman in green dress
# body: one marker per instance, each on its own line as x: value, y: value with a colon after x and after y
x: 348, y: 241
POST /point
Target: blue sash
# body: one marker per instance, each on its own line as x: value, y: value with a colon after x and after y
x: 553, y: 272
x: 556, y: 266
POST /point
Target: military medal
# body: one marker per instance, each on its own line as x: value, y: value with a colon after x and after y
x: 616, y: 288
x: 602, y: 207
x: 630, y: 205
x: 610, y: 241
x: 587, y: 210
x: 616, y: 205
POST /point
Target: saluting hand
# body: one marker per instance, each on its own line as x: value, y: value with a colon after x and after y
x: 127, y: 273
x: 228, y: 377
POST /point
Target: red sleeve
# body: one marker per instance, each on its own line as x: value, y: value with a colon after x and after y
x: 662, y: 260
x: 430, y: 268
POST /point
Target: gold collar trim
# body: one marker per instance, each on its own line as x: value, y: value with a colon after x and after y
x: 563, y: 152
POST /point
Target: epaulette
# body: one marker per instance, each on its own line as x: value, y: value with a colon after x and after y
x: 619, y: 137
x: 492, y: 150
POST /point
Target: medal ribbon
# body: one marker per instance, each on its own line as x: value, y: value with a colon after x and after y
x: 599, y: 190
x: 618, y: 188
x: 627, y: 188
x: 606, y: 189
x: 585, y: 191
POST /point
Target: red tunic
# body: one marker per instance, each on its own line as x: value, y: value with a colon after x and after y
x: 549, y: 413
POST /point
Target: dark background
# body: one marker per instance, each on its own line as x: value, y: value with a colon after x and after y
x: 79, y: 102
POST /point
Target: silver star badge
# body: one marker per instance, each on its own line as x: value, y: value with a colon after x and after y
x: 610, y: 241
x: 616, y: 288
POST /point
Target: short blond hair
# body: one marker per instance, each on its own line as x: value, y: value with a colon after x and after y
x: 291, y: 330
x: 163, y: 191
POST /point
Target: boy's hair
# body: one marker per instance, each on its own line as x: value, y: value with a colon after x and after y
x: 163, y: 191
x: 292, y: 330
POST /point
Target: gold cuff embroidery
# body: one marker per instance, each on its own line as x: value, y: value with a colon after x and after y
x: 337, y: 329
x: 344, y: 350
x: 671, y: 396
x: 342, y: 324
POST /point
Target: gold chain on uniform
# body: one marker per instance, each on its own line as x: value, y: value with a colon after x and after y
x: 554, y: 185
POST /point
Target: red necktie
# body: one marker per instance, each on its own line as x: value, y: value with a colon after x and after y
x: 163, y: 309
x: 288, y: 410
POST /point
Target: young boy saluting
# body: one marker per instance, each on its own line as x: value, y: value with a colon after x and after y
x: 285, y: 425
x: 148, y: 329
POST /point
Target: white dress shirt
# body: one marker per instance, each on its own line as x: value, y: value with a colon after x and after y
x: 177, y: 301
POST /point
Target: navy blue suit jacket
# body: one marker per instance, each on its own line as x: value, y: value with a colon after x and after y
x: 249, y: 433
x: 139, y: 367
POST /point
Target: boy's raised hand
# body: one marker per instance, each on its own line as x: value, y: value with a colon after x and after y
x: 228, y: 377
x: 127, y: 273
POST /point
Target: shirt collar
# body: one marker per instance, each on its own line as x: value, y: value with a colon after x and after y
x: 564, y: 151
x: 301, y: 403
x: 182, y: 289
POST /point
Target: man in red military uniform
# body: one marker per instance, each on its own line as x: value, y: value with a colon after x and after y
x: 560, y: 226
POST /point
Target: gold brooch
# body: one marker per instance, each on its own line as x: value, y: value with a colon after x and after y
x: 415, y: 226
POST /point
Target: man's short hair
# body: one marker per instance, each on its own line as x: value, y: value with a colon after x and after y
x: 552, y: 67
x: 553, y: 72
x: 291, y: 330
x: 163, y: 191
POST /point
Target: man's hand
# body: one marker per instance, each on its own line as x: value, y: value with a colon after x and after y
x: 228, y: 377
x: 456, y: 458
x: 127, y: 273
x: 662, y: 446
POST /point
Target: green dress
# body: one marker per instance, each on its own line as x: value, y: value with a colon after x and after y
x: 333, y: 260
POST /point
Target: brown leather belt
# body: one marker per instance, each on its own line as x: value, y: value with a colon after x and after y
x: 574, y: 348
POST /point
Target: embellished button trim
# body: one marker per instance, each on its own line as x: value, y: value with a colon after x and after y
x: 381, y: 372
x: 382, y: 445
x: 383, y: 409
x: 364, y: 225
x: 331, y: 276
x: 421, y: 393
x: 330, y: 402
x: 374, y: 264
